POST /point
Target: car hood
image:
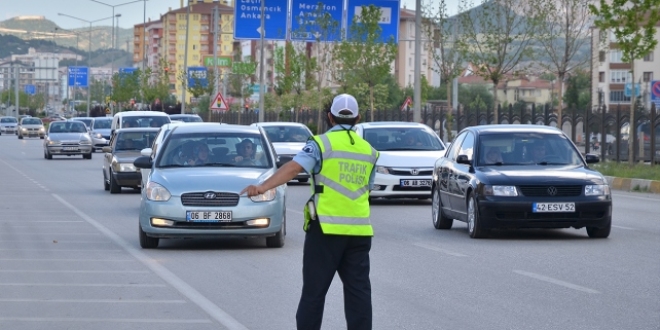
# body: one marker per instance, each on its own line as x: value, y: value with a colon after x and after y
x: 8, y: 124
x: 196, y: 179
x: 288, y: 148
x: 127, y: 156
x: 541, y: 175
x: 102, y: 131
x: 409, y: 158
x: 68, y: 137
x: 32, y: 126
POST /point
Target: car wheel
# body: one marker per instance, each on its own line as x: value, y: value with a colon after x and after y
x: 277, y: 241
x: 48, y: 155
x: 20, y: 137
x: 303, y: 180
x: 87, y: 156
x: 147, y: 242
x: 42, y: 137
x: 600, y: 232
x: 106, y: 185
x: 114, y: 187
x: 474, y: 225
x: 439, y: 219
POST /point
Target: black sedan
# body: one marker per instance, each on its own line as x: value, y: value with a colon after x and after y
x: 519, y: 176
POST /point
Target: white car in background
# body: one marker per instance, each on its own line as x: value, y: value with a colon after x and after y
x: 408, y: 152
x: 288, y: 139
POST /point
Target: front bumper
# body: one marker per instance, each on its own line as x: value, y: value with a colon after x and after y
x: 245, y: 210
x: 508, y: 214
x: 80, y: 150
x: 386, y: 185
x: 31, y: 134
x: 100, y: 142
x: 7, y: 130
x: 128, y: 179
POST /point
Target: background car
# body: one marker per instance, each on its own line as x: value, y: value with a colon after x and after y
x: 86, y: 120
x: 8, y: 125
x: 408, y: 152
x: 187, y: 118
x: 288, y: 139
x: 100, y: 131
x: 152, y: 150
x: 201, y: 199
x: 30, y: 127
x: 126, y: 119
x: 67, y: 138
x: 519, y: 176
x: 124, y: 148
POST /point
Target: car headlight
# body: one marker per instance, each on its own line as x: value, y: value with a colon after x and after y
x: 54, y: 142
x: 23, y: 129
x: 97, y: 135
x: 127, y: 167
x: 157, y: 193
x: 85, y: 141
x: 265, y: 197
x: 382, y: 170
x: 41, y: 129
x: 506, y: 191
x: 596, y: 190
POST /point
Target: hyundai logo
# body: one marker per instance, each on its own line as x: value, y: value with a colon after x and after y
x: 414, y: 171
x: 552, y: 191
x: 209, y: 195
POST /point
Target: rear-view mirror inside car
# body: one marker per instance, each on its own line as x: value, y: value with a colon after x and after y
x: 143, y: 162
x: 107, y: 149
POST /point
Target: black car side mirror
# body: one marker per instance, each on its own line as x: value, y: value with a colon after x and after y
x: 463, y: 159
x: 591, y: 158
x: 143, y: 162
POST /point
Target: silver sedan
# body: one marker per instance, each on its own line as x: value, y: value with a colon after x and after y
x: 194, y: 185
x: 67, y: 138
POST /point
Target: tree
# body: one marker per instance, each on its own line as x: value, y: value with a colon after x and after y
x: 125, y: 86
x: 475, y: 96
x: 362, y: 57
x: 564, y: 33
x: 578, y: 94
x: 156, y: 84
x: 443, y: 31
x: 496, y: 39
x: 633, y: 24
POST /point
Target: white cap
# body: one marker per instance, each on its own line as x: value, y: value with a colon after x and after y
x: 343, y: 102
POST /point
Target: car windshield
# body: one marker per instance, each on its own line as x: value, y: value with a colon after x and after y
x: 230, y: 149
x: 67, y: 127
x: 287, y: 133
x: 88, y: 122
x: 403, y: 139
x: 144, y: 121
x: 8, y: 120
x: 502, y: 149
x: 188, y: 119
x: 102, y: 124
x: 134, y: 140
x: 31, y: 121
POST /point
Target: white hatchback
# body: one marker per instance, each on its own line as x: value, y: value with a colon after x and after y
x: 408, y: 152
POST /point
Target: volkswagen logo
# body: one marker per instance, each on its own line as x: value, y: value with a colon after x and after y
x: 552, y: 191
x: 209, y: 195
x: 414, y: 171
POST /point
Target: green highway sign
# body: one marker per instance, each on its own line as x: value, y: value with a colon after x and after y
x: 223, y: 61
x: 244, y: 68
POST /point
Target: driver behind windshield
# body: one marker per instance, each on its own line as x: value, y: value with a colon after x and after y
x: 245, y: 152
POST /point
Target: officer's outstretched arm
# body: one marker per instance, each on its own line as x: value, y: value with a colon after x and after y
x: 285, y: 174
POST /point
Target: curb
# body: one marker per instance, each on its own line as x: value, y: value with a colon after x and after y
x: 637, y: 185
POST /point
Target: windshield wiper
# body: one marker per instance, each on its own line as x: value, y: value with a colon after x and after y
x: 406, y: 149
x: 218, y: 165
x: 171, y: 165
x: 550, y: 163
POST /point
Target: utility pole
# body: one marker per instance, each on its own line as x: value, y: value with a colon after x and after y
x: 185, y: 62
x: 16, y: 79
x: 262, y: 88
x: 216, y: 31
x: 417, y: 110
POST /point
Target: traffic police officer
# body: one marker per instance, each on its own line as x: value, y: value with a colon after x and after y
x: 338, y: 230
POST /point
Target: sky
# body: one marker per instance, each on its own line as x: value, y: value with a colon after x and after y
x: 131, y: 14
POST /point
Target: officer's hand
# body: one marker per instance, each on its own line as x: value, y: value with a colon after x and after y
x: 252, y: 190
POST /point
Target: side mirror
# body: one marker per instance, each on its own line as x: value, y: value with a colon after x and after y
x: 146, y: 152
x: 107, y: 149
x: 463, y: 159
x: 143, y: 162
x: 591, y: 158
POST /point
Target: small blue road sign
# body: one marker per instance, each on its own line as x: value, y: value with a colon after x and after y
x: 247, y: 19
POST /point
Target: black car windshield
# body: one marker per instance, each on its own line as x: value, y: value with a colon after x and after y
x: 10, y: 120
x: 526, y: 148
x: 31, y: 121
x: 287, y: 133
x: 134, y: 140
x: 102, y: 123
x: 188, y: 118
x: 402, y: 139
x: 86, y: 121
x: 225, y: 149
x: 67, y: 127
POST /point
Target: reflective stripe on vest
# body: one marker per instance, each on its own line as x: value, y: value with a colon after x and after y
x: 342, y: 208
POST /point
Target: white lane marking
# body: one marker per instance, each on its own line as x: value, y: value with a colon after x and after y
x: 622, y: 227
x: 85, y: 301
x: 90, y: 285
x: 294, y: 211
x: 437, y: 249
x: 184, y: 288
x: 52, y: 241
x: 64, y: 260
x: 555, y: 281
x: 41, y: 221
x: 74, y: 271
x: 100, y: 320
x: 62, y: 250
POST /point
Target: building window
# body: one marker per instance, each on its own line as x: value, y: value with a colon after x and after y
x: 620, y: 76
x: 619, y: 97
x: 601, y: 76
x: 649, y: 57
x: 601, y: 56
x: 615, y: 56
x: 648, y: 76
x: 409, y: 61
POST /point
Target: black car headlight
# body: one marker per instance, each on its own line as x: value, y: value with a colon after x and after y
x: 505, y: 191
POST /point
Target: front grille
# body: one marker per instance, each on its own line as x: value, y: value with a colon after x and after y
x: 400, y: 188
x: 221, y: 199
x: 74, y: 144
x: 546, y: 191
x: 408, y: 173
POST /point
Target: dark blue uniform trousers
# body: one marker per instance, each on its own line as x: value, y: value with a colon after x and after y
x: 323, y: 255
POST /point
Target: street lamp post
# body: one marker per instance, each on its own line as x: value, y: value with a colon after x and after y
x: 113, y: 15
x: 89, y: 57
x: 77, y: 34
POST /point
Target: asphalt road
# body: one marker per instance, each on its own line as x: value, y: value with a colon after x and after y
x: 70, y: 259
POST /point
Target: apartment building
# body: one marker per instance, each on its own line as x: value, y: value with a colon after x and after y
x: 612, y: 79
x: 404, y: 65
